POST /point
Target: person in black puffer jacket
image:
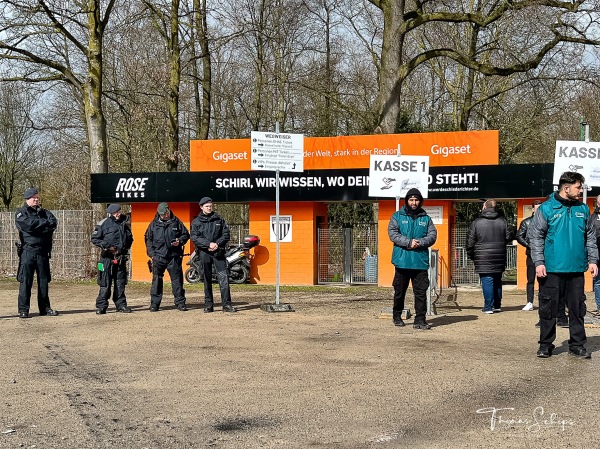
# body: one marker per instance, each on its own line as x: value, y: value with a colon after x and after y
x: 524, y: 241
x: 486, y: 243
x: 165, y: 238
x: 596, y: 220
x: 210, y: 235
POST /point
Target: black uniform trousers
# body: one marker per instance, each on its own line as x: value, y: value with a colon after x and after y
x: 207, y: 261
x: 553, y: 287
x: 420, y: 284
x: 30, y: 264
x: 112, y: 275
x: 173, y: 266
x: 530, y: 279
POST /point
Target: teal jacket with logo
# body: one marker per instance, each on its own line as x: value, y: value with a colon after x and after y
x: 562, y: 237
x: 402, y: 229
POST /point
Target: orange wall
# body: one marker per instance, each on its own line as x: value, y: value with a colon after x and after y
x: 141, y: 216
x: 524, y: 211
x: 385, y: 267
x: 298, y: 258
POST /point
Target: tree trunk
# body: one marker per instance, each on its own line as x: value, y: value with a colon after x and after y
x: 203, y: 106
x: 172, y: 159
x: 390, y: 75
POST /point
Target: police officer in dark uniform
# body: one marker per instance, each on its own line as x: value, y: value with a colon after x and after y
x: 165, y: 238
x: 36, y: 227
x: 113, y: 235
x: 210, y: 235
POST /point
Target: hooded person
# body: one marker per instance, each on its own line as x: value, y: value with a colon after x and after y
x: 412, y: 232
x: 165, y: 238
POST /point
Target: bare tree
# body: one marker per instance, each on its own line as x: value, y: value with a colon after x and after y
x: 557, y: 22
x: 18, y: 144
x: 56, y: 40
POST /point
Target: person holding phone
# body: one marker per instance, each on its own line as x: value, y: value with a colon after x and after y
x: 165, y: 238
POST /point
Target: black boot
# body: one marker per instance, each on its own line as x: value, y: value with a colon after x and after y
x: 397, y: 318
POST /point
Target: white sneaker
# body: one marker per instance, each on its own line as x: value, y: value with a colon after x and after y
x: 497, y: 310
x: 488, y: 311
x: 528, y: 307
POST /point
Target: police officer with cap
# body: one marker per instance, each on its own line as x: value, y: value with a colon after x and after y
x: 210, y: 235
x: 113, y: 235
x: 36, y: 227
x: 165, y: 238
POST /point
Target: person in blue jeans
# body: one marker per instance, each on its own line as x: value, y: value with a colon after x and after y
x: 596, y: 220
x: 486, y: 243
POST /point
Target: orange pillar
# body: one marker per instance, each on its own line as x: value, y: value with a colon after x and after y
x: 298, y: 258
x: 385, y: 267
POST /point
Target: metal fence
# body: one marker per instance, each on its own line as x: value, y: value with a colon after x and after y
x: 463, y: 270
x: 347, y: 255
x: 73, y: 254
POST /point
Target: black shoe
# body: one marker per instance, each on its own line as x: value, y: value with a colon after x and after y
x: 545, y: 351
x: 398, y: 321
x: 23, y: 314
x: 580, y: 352
x: 538, y: 324
x: 49, y: 312
x: 153, y: 309
x: 423, y: 326
x: 124, y: 309
x: 229, y: 308
x: 100, y: 311
x: 182, y: 308
x: 208, y: 309
x: 562, y: 322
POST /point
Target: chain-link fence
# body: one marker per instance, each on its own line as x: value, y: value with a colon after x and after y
x: 348, y: 255
x: 73, y: 254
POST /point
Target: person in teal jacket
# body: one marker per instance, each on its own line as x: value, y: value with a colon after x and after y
x: 563, y: 247
x: 412, y: 232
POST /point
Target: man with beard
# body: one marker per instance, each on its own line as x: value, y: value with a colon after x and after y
x: 563, y: 247
x: 210, y: 235
x: 487, y: 238
x: 412, y: 232
x: 165, y: 238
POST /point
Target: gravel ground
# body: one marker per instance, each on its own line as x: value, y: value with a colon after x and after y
x: 332, y: 374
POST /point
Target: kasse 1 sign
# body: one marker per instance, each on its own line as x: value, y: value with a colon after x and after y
x: 393, y: 176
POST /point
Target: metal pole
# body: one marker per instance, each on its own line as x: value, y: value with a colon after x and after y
x: 277, y: 270
x: 585, y: 129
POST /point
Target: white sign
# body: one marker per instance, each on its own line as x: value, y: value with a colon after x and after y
x: 285, y: 228
x: 393, y: 176
x: 580, y: 157
x: 277, y: 151
x: 436, y: 213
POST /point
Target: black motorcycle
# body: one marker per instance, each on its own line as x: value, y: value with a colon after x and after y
x: 238, y: 263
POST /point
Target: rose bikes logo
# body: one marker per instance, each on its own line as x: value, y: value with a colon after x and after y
x: 131, y: 188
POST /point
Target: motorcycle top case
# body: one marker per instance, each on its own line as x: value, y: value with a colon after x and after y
x: 250, y: 241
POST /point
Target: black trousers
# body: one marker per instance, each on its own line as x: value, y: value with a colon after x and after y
x: 530, y: 279
x: 112, y: 275
x: 420, y: 284
x: 31, y: 264
x: 207, y: 261
x: 553, y: 287
x: 173, y: 266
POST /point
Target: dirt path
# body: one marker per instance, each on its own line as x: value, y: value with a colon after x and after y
x: 330, y: 375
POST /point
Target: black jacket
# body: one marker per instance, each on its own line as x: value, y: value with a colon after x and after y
x: 160, y: 234
x: 487, y: 238
x: 36, y: 227
x: 210, y: 228
x: 522, y: 235
x: 112, y: 233
x: 595, y: 218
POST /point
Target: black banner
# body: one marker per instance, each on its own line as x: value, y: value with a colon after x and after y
x: 449, y: 183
